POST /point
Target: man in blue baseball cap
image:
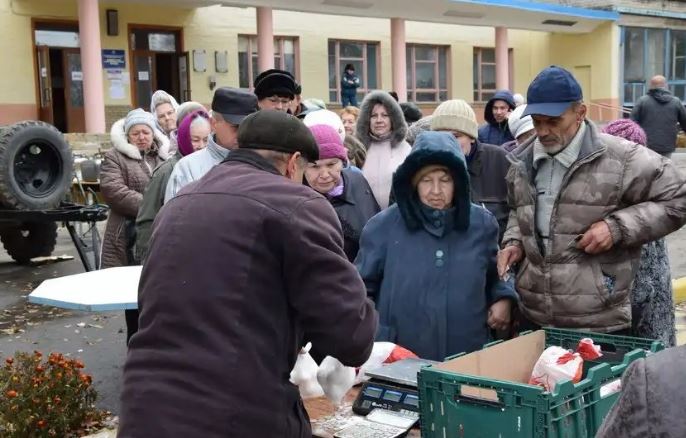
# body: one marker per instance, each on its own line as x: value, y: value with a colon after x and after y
x: 582, y: 203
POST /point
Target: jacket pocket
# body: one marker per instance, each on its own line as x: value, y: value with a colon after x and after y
x: 613, y: 280
x: 386, y: 333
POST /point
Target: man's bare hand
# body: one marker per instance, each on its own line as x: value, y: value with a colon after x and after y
x: 597, y: 239
x: 507, y: 257
x: 499, y: 315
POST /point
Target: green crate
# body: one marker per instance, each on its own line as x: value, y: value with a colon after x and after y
x: 523, y: 410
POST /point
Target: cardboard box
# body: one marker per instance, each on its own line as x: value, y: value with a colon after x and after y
x: 510, y: 361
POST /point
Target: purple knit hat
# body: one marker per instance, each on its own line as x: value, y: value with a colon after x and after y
x: 184, y: 131
x: 626, y: 129
x: 329, y: 142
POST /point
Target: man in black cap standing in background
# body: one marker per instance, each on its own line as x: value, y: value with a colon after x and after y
x: 275, y: 89
x: 229, y: 107
x: 244, y: 267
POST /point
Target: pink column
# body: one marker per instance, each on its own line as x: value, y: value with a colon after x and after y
x: 399, y: 58
x: 91, y: 65
x: 502, y: 62
x: 265, y: 39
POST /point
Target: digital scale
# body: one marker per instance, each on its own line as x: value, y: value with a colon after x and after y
x: 389, y: 401
x: 392, y: 387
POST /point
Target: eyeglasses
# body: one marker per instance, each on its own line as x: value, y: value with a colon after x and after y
x: 276, y: 100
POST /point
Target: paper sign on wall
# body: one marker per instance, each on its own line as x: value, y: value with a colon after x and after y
x: 143, y: 76
x: 77, y: 76
x: 114, y: 75
x: 117, y: 90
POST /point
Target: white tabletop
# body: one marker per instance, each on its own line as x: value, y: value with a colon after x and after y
x: 95, y: 291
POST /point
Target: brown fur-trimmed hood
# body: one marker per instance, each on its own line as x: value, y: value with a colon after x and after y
x: 399, y: 126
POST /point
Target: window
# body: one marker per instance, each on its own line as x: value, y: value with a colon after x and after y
x: 427, y: 73
x: 650, y: 52
x: 285, y: 58
x: 484, y: 72
x: 363, y: 55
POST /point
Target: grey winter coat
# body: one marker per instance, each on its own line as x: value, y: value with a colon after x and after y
x: 653, y: 398
x: 194, y: 166
x: 640, y: 195
x: 124, y: 175
x: 660, y: 114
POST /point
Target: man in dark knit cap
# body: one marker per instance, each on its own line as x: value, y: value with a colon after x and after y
x: 244, y: 266
x: 275, y: 89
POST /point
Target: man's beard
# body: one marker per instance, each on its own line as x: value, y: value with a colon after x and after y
x: 552, y: 150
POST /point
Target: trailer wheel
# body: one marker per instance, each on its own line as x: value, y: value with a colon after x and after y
x: 26, y: 241
x: 36, y: 166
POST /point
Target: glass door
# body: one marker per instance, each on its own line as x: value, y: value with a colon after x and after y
x: 45, y: 112
x: 73, y: 90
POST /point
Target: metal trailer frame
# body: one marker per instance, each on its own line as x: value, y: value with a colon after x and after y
x: 69, y: 214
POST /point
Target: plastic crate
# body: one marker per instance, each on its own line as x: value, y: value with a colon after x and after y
x: 471, y: 406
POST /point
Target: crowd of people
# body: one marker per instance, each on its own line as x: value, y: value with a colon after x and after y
x: 268, y: 221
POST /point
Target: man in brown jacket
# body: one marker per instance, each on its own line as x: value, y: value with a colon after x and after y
x: 582, y: 204
x: 245, y: 266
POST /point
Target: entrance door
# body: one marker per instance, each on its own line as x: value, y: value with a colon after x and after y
x: 144, y: 78
x: 44, y: 84
x: 73, y: 91
x: 184, y: 77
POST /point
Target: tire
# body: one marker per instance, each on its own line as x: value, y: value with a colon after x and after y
x: 36, y: 166
x: 26, y: 241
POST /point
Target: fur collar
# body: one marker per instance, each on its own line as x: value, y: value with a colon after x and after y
x: 121, y: 143
x: 394, y: 111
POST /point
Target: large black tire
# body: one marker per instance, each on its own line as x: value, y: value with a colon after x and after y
x: 36, y: 166
x: 26, y: 241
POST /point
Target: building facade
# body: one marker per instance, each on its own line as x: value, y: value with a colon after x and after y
x: 56, y: 67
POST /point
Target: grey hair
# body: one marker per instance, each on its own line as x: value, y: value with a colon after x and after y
x: 200, y: 122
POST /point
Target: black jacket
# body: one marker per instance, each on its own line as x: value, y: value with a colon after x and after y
x: 244, y: 266
x: 354, y: 209
x: 487, y: 170
x: 659, y: 113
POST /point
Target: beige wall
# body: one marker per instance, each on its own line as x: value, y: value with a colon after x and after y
x: 217, y: 28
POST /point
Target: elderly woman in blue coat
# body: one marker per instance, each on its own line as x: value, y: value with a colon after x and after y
x: 429, y: 261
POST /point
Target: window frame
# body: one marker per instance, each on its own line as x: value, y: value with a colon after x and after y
x: 364, y: 87
x: 411, y: 80
x: 279, y: 41
x: 478, y: 80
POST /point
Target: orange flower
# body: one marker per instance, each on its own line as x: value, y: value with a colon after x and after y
x: 85, y: 378
x: 37, y: 353
x: 42, y: 424
x: 40, y: 369
x: 78, y: 364
x: 11, y: 393
x: 9, y: 361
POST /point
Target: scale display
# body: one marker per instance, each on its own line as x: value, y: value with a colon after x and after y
x: 392, y: 387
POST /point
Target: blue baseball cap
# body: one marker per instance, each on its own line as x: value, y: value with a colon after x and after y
x: 552, y: 92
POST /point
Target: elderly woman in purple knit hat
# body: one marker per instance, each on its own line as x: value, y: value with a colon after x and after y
x: 346, y: 189
x: 651, y: 297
